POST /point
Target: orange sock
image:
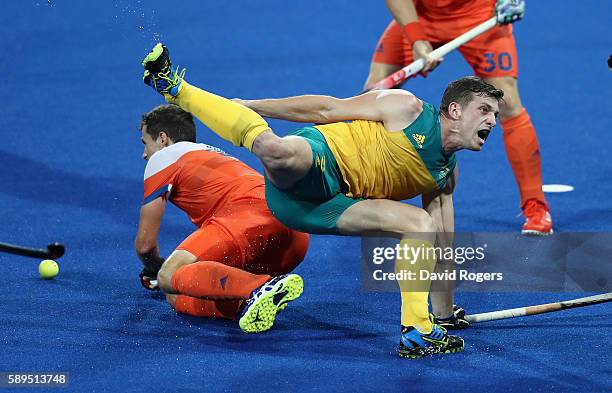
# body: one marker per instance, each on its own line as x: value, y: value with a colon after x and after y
x: 214, y: 280
x: 523, y: 152
x: 195, y: 307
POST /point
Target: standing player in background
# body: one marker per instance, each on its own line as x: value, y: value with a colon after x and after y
x: 224, y: 268
x: 347, y: 178
x: 419, y: 26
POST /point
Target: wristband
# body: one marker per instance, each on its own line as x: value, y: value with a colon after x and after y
x: 413, y: 31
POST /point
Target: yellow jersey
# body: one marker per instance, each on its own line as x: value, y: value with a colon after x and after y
x: 378, y: 163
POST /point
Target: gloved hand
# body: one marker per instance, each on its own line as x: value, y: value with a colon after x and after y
x: 148, y: 279
x: 509, y: 11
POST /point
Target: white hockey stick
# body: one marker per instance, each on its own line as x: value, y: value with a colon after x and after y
x: 416, y: 66
x: 540, y: 309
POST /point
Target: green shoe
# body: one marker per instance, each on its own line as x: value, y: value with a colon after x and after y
x: 159, y: 72
x: 260, y: 310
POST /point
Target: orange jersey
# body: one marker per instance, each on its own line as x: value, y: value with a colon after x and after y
x: 492, y: 54
x: 200, y: 179
x: 454, y: 10
x: 225, y: 198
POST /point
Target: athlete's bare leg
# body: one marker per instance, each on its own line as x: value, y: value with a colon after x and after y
x: 442, y: 292
x: 171, y: 299
x: 378, y: 72
x: 523, y: 153
x: 286, y: 160
x: 511, y: 105
x: 383, y: 215
x: 416, y: 228
x: 175, y: 261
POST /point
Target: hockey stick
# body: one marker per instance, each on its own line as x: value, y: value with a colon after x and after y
x: 540, y: 309
x: 413, y: 68
x: 53, y: 251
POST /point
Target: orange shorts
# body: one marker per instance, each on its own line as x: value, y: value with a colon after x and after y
x: 245, y: 235
x: 492, y: 54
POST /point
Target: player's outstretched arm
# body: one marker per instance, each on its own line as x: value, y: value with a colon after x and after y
x: 388, y: 106
x: 146, y: 239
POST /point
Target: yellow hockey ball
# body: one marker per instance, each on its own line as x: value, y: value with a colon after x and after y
x: 48, y: 269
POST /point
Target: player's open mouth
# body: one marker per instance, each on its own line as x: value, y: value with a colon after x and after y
x: 484, y: 134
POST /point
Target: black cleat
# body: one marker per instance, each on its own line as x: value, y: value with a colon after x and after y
x: 159, y: 72
x: 456, y: 321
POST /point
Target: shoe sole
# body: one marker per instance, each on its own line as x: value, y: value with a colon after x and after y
x: 262, y: 313
x: 428, y: 351
x: 531, y: 232
x: 423, y: 354
x: 153, y: 55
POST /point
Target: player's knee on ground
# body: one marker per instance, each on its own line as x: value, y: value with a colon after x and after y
x: 174, y: 262
x: 171, y: 299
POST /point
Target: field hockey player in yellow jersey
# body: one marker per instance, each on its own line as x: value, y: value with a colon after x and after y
x: 347, y: 175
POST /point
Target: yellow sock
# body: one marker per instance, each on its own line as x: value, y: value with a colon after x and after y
x: 228, y: 119
x: 415, y: 292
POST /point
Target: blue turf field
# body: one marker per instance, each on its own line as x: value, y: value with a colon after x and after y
x: 71, y: 169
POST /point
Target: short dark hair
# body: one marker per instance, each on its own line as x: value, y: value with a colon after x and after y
x: 171, y: 119
x: 463, y: 91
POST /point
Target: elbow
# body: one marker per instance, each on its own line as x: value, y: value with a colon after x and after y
x: 326, y: 113
x: 326, y: 117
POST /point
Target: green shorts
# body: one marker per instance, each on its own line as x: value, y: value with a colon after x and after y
x: 316, y: 201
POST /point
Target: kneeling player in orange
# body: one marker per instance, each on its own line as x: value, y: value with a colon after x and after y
x: 224, y: 269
